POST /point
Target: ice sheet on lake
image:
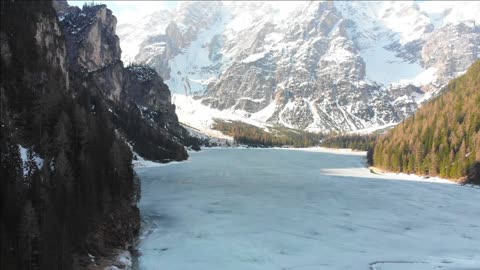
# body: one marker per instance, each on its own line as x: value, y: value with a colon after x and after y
x: 282, y: 209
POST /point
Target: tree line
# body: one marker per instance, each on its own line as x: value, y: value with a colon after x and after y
x: 353, y: 141
x: 251, y: 135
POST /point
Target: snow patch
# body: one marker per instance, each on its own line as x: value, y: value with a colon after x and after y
x: 254, y: 57
x: 193, y: 69
x: 24, y: 156
x: 372, y: 129
x: 193, y: 113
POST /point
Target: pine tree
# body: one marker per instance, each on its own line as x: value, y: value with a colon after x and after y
x: 441, y: 138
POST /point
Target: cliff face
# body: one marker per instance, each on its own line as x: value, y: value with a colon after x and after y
x: 93, y: 48
x: 147, y: 90
x: 136, y: 93
x: 67, y: 106
x: 68, y: 188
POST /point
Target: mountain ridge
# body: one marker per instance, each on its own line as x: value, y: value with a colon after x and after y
x: 310, y: 65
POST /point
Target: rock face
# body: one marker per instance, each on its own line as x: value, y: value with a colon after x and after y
x: 166, y: 38
x: 70, y: 116
x: 453, y: 55
x: 68, y: 188
x: 91, y: 38
x: 308, y: 65
x: 95, y: 59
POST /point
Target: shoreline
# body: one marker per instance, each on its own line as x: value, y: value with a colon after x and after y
x: 116, y: 260
x: 424, y: 178
x: 143, y: 163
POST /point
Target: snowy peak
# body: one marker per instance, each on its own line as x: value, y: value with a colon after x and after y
x: 316, y: 65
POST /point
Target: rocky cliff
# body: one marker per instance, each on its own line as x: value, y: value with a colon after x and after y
x: 70, y: 114
x: 68, y: 190
x: 318, y: 65
x: 136, y: 92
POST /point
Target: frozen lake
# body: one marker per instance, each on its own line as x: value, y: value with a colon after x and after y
x: 244, y: 209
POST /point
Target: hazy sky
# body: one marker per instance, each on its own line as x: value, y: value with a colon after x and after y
x: 128, y: 10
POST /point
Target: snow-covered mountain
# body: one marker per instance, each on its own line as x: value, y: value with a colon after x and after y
x: 309, y: 65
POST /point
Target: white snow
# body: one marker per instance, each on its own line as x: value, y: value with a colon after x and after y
x: 24, y: 156
x: 384, y: 67
x: 336, y: 53
x: 379, y: 24
x: 132, y: 34
x: 372, y: 129
x: 372, y: 28
x: 141, y: 162
x: 426, y: 77
x: 192, y: 70
x: 125, y: 259
x: 455, y: 11
x: 254, y: 57
x: 122, y: 261
x: 240, y: 22
x: 193, y: 113
x: 263, y: 115
x: 316, y: 209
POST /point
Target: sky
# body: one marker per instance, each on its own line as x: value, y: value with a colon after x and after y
x: 130, y: 10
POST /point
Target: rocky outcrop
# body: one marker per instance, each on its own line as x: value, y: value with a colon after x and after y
x: 94, y: 54
x: 91, y: 38
x: 147, y: 89
x: 453, y: 55
x: 93, y: 48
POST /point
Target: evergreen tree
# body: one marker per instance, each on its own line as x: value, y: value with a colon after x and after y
x: 442, y: 138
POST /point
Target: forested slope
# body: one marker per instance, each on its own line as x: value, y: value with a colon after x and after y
x: 353, y: 141
x: 244, y: 133
x: 440, y: 139
x: 67, y: 185
x: 67, y: 107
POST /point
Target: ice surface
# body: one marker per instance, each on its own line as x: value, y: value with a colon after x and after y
x: 282, y: 209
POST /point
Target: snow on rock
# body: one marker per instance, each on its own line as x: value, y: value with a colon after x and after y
x: 24, y: 156
x: 254, y: 57
x: 242, y: 57
x: 453, y: 12
x: 132, y: 38
x: 124, y: 259
x: 201, y: 117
